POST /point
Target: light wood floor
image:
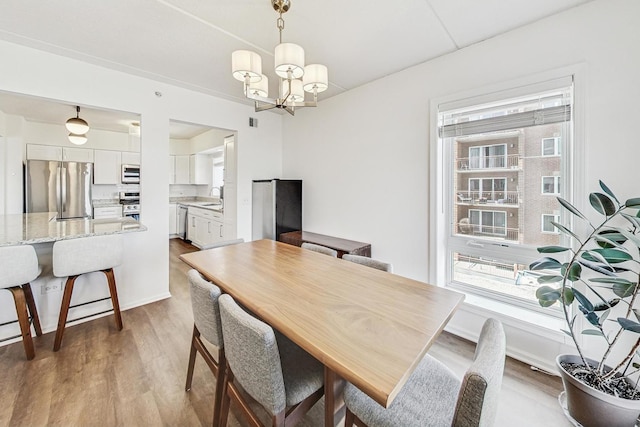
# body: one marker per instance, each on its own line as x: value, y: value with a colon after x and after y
x: 101, y: 377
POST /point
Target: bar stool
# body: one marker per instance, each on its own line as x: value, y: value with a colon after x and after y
x: 18, y: 267
x: 74, y: 257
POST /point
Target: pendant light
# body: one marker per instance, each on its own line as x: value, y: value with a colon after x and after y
x: 78, y: 128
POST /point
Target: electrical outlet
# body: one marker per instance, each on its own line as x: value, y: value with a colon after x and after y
x: 51, y: 287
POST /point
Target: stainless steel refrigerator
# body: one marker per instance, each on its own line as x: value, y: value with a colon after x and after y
x: 276, y: 207
x: 62, y: 187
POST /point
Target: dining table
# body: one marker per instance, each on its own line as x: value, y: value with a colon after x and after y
x: 366, y: 326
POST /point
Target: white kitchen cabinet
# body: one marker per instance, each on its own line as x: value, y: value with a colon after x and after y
x: 182, y: 170
x: 200, y: 169
x: 102, y: 212
x: 43, y: 152
x: 230, y: 188
x: 230, y: 160
x: 172, y: 169
x: 205, y: 226
x: 72, y: 154
x: 106, y: 168
x: 130, y: 158
x: 173, y: 218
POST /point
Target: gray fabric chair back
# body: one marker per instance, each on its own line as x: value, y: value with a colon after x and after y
x: 479, y: 393
x: 18, y: 265
x: 252, y: 354
x: 321, y: 249
x: 87, y: 254
x: 373, y: 263
x: 206, y: 312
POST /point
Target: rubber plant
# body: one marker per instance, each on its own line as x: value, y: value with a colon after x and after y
x: 601, y: 276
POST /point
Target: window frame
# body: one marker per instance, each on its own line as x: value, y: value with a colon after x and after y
x: 556, y: 218
x: 556, y: 185
x: 481, y: 225
x: 556, y: 146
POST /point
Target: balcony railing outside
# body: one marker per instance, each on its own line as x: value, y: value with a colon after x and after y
x: 505, y: 233
x: 511, y: 161
x: 484, y: 197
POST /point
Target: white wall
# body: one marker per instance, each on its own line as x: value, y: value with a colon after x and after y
x: 144, y: 277
x: 364, y: 155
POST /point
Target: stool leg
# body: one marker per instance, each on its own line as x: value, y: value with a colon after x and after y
x: 111, y: 279
x: 33, y: 311
x: 23, y: 320
x: 192, y: 358
x: 64, y: 311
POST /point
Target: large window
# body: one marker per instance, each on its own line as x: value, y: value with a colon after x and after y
x: 494, y: 222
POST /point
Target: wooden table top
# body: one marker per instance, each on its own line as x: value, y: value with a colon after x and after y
x: 370, y: 327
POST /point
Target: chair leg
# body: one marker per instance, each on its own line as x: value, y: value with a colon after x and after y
x: 226, y: 397
x: 111, y: 279
x: 23, y: 320
x: 33, y: 311
x: 278, y: 420
x: 64, y: 311
x: 192, y: 358
x: 348, y: 418
x: 220, y: 380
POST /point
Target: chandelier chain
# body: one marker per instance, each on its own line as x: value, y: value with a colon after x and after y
x: 280, y: 24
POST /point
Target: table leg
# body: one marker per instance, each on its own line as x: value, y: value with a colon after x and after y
x: 334, y: 408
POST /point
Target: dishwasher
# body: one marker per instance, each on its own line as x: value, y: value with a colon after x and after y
x: 182, y: 221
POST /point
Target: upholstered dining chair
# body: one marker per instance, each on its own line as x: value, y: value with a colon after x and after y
x: 321, y: 249
x: 206, y: 324
x: 271, y: 369
x: 373, y: 263
x: 434, y: 396
x: 18, y: 268
x: 221, y: 244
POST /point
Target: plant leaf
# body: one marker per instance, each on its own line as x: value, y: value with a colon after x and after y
x: 630, y: 236
x: 608, y: 191
x: 568, y: 206
x: 633, y: 203
x: 568, y: 296
x: 629, y: 325
x: 606, y: 270
x: 593, y: 332
x: 567, y: 332
x: 552, y: 249
x: 619, y: 280
x: 613, y: 235
x: 547, y: 295
x: 634, y: 220
x: 545, y: 263
x: 602, y: 306
x: 574, y: 272
x: 565, y: 230
x: 606, y: 243
x: 602, y: 203
x: 583, y: 300
x: 592, y: 318
x: 622, y: 290
x: 607, y: 256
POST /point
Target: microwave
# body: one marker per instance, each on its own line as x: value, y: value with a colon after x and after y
x: 130, y: 174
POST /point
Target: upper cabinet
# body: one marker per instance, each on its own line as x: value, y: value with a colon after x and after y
x: 229, y: 160
x: 130, y: 158
x: 71, y: 154
x: 52, y: 152
x: 107, y: 169
x: 181, y: 169
x: 200, y: 169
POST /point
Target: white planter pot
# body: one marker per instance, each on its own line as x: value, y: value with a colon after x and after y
x: 591, y: 407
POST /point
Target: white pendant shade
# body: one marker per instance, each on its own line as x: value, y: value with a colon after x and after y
x: 315, y: 75
x: 289, y: 56
x: 77, y: 126
x: 77, y: 139
x: 260, y: 88
x: 246, y: 63
x: 297, y: 93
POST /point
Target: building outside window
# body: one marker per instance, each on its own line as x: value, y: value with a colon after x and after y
x: 551, y: 146
x: 551, y: 185
x: 547, y: 224
x: 495, y: 157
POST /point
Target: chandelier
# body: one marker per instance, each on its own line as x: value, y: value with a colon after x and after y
x: 295, y: 77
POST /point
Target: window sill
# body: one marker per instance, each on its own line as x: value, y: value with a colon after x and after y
x: 540, y: 324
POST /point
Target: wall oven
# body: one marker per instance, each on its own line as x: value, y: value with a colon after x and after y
x: 130, y: 201
x: 130, y: 174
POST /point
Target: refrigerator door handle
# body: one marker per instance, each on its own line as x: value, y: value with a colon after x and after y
x: 59, y: 190
x: 63, y: 188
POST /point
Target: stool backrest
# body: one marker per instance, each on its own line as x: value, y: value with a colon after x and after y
x: 206, y: 312
x: 86, y: 254
x: 18, y: 265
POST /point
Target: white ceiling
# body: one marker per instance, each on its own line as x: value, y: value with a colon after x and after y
x: 189, y: 42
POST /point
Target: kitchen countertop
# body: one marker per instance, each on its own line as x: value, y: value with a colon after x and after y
x: 199, y: 202
x: 42, y: 227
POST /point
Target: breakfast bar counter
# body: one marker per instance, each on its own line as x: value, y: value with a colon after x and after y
x: 43, y: 227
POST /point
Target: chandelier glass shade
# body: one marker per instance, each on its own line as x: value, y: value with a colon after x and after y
x: 77, y: 128
x: 295, y: 77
